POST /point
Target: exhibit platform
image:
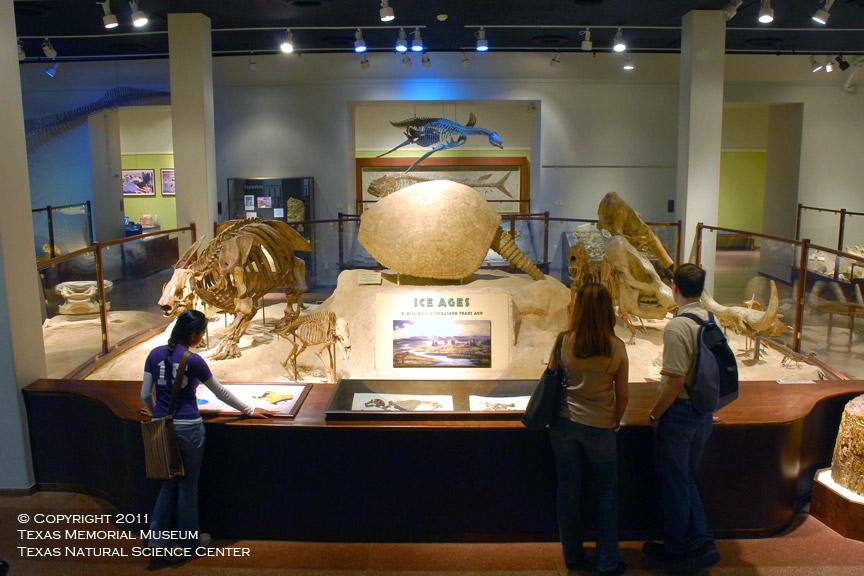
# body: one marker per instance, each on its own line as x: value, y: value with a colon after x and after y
x: 311, y: 479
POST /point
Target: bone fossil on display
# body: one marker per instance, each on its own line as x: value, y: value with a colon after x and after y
x: 386, y: 185
x: 847, y: 465
x: 440, y: 134
x: 81, y: 296
x: 248, y: 259
x: 295, y: 210
x: 318, y: 328
x: 439, y: 229
x: 619, y: 219
x: 749, y: 321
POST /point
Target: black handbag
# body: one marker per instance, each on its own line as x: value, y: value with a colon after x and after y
x: 545, y: 401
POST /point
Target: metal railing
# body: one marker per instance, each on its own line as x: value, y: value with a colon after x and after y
x: 842, y: 216
x: 50, y: 210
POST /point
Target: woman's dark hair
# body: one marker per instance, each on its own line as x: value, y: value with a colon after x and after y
x: 592, y: 321
x: 188, y: 324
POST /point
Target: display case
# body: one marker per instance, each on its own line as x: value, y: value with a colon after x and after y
x: 282, y: 400
x: 430, y: 399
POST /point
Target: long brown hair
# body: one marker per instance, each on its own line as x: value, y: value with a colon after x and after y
x: 592, y: 320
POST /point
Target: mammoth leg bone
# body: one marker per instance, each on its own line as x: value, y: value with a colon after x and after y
x: 244, y: 312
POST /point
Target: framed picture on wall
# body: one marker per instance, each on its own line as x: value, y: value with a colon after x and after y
x: 139, y: 182
x: 167, y: 181
x: 503, y: 181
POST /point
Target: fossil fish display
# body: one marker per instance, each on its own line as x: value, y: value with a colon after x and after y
x: 440, y: 134
x: 439, y: 229
x: 386, y: 185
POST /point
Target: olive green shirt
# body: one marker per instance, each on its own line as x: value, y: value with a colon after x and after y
x: 679, y: 345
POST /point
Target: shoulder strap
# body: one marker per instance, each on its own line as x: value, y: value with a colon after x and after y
x: 181, y: 372
x: 696, y: 318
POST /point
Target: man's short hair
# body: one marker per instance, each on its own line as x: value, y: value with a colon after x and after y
x: 690, y: 280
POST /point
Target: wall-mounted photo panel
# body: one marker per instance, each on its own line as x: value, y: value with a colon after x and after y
x: 139, y: 182
x: 167, y: 182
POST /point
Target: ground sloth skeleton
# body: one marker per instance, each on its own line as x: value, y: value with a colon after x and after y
x: 248, y: 259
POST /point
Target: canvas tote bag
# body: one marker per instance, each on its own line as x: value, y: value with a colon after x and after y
x: 162, y: 459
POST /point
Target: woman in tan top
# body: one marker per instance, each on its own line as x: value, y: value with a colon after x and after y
x: 583, y: 437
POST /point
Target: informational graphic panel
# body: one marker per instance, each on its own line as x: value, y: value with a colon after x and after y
x: 281, y: 399
x: 433, y: 329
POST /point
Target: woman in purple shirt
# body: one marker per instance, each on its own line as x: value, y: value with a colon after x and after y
x: 177, y: 505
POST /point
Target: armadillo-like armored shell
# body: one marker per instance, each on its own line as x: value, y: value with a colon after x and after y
x: 439, y: 229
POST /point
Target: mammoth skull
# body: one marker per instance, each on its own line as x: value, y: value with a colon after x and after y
x: 635, y: 282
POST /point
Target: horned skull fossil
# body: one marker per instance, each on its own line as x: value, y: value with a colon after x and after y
x: 635, y: 283
x: 749, y: 321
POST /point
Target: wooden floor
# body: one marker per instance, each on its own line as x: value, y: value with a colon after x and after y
x: 808, y: 548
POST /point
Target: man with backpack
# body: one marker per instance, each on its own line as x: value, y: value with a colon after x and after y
x: 690, y: 390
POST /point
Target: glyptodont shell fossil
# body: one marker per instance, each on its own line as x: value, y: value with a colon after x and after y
x: 439, y: 229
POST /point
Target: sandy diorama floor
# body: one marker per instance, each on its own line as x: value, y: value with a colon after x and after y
x: 541, y: 307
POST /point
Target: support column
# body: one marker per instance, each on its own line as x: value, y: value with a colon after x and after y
x: 700, y: 125
x: 105, y: 164
x: 191, y: 65
x: 22, y: 352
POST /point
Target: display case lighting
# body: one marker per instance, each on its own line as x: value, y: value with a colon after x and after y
x: 766, y: 12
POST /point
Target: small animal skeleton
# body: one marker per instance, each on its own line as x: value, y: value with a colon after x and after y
x: 402, y: 405
x: 499, y: 406
x: 248, y: 259
x: 274, y: 398
x: 440, y: 134
x: 318, y: 328
x: 386, y: 185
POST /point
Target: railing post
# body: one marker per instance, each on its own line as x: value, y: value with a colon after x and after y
x: 341, y: 241
x: 194, y: 232
x: 90, y: 220
x: 679, y: 240
x: 699, y: 244
x: 100, y: 287
x: 546, y: 237
x: 51, y: 251
x: 799, y: 295
x: 798, y: 222
x: 841, y: 237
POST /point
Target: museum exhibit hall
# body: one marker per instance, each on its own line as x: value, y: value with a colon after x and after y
x: 448, y: 287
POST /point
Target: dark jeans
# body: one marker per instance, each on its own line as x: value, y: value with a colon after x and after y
x: 678, y: 446
x: 579, y: 448
x: 177, y: 505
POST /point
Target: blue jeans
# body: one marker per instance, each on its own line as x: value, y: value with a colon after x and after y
x: 578, y: 447
x: 678, y: 445
x: 177, y: 505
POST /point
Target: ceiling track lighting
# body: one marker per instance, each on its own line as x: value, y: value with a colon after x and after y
x: 482, y: 43
x: 465, y: 60
x: 21, y: 54
x: 417, y: 42
x: 364, y: 62
x: 359, y: 42
x: 556, y: 60
x: 766, y: 13
x: 48, y: 49
x: 629, y: 64
x: 251, y: 65
x: 618, y: 44
x: 587, y: 44
x: 386, y: 13
x: 139, y: 17
x: 406, y: 60
x: 842, y: 63
x: 731, y: 9
x: 815, y: 65
x: 109, y: 20
x: 401, y: 41
x: 829, y: 66
x: 287, y: 45
x: 51, y: 71
x: 426, y: 61
x: 821, y: 15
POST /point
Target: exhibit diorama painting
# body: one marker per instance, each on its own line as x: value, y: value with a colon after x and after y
x: 138, y: 182
x: 502, y: 181
x: 401, y: 402
x: 167, y: 182
x: 434, y: 343
x: 282, y: 399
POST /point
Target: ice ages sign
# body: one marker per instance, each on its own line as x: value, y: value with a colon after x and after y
x: 433, y: 329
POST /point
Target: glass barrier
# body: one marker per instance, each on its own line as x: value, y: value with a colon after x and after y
x: 72, y: 227
x: 41, y: 235
x: 853, y: 233
x: 821, y: 226
x: 71, y: 323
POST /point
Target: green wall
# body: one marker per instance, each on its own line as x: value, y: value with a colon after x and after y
x: 742, y: 189
x: 154, y: 205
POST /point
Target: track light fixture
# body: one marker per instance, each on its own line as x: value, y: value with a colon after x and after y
x: 251, y: 65
x: 109, y: 20
x: 287, y: 45
x: 21, y: 54
x: 556, y: 60
x: 731, y: 9
x: 406, y: 60
x: 587, y: 44
x: 815, y: 65
x: 51, y: 71
x: 426, y: 61
x: 364, y: 62
x: 629, y: 64
x: 842, y: 63
x: 766, y: 13
x: 465, y: 60
x: 482, y: 43
x: 829, y: 66
x: 821, y: 15
x: 359, y: 42
x: 139, y: 17
x: 48, y: 49
x: 401, y: 41
x: 417, y: 42
x: 386, y: 13
x: 618, y: 44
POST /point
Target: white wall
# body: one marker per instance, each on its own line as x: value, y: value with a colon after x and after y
x: 745, y: 126
x: 145, y: 130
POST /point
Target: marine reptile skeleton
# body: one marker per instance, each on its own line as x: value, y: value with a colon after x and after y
x: 440, y: 134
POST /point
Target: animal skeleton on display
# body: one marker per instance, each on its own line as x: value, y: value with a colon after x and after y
x: 386, y: 185
x: 321, y: 327
x: 440, y: 134
x: 248, y: 259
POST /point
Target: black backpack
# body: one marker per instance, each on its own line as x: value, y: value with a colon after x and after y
x: 715, y: 374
